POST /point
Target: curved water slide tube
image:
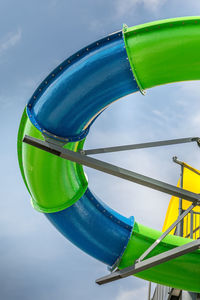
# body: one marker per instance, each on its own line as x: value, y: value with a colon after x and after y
x: 64, y: 107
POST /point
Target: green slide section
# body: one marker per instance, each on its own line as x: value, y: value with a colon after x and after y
x: 181, y: 273
x: 164, y: 51
x: 67, y: 182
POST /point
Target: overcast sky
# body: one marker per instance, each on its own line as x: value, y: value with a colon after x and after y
x: 36, y: 262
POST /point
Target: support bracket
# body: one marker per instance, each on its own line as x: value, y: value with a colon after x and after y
x: 140, y: 264
x: 150, y: 262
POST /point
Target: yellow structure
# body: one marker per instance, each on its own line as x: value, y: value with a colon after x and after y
x: 191, y: 182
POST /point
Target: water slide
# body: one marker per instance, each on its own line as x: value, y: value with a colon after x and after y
x: 63, y: 108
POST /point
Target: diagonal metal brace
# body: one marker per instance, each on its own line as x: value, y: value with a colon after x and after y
x: 113, y: 170
x: 150, y: 262
x: 165, y: 233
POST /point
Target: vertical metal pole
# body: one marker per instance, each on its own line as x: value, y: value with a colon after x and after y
x: 195, y: 226
x: 199, y: 226
x: 180, y: 209
x: 149, y: 291
x: 191, y: 224
x: 185, y: 294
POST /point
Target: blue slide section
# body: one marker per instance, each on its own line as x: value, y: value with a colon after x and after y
x: 96, y: 76
x: 81, y: 87
x: 94, y: 228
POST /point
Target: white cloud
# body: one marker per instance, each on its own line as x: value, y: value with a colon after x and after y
x: 153, y: 5
x: 126, y: 6
x: 10, y: 40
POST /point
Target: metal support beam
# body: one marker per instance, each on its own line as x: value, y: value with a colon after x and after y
x: 180, y: 208
x: 191, y: 224
x: 149, y: 291
x: 165, y: 233
x: 150, y: 262
x: 113, y: 170
x: 141, y: 146
x: 183, y: 164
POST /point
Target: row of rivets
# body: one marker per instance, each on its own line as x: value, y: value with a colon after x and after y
x: 97, y: 205
x: 117, y: 262
x: 69, y: 61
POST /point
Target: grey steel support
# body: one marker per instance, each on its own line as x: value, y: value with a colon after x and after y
x: 180, y: 208
x: 141, y: 146
x: 180, y: 218
x: 149, y: 291
x: 57, y: 150
x: 191, y: 224
x: 113, y: 170
x: 150, y: 262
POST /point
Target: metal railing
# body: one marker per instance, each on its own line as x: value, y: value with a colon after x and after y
x: 191, y: 225
x: 188, y: 227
